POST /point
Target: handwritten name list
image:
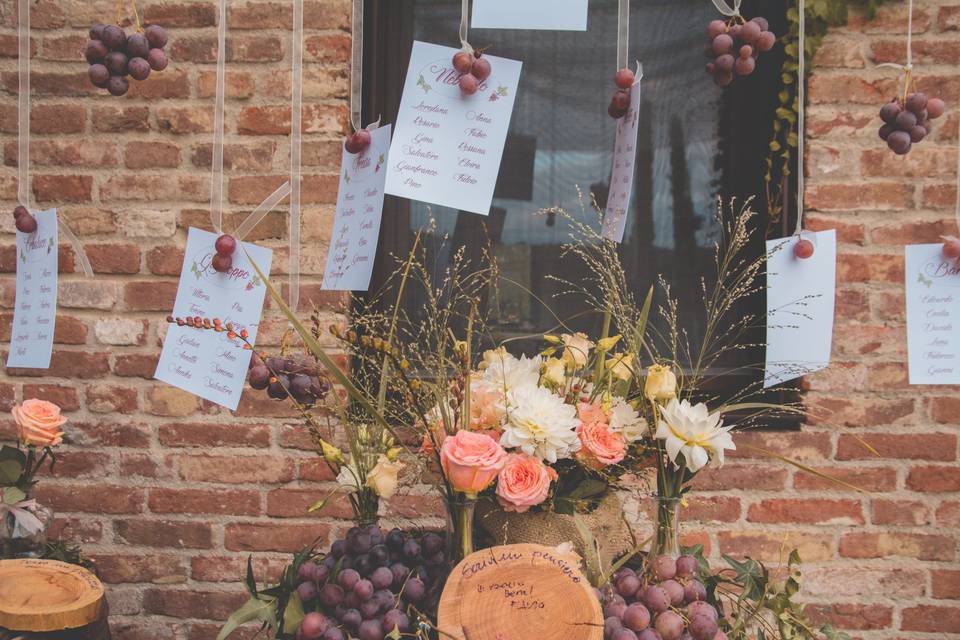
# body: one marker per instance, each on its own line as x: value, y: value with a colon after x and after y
x: 933, y: 315
x: 206, y: 363
x: 448, y: 145
x: 356, y: 226
x: 35, y: 313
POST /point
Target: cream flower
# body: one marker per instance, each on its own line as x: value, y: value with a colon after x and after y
x: 661, y: 383
x: 349, y: 476
x: 540, y: 424
x: 503, y: 372
x: 626, y: 421
x: 554, y: 371
x: 621, y: 365
x: 383, y: 477
x: 693, y: 431
x: 576, y: 349
x: 487, y: 407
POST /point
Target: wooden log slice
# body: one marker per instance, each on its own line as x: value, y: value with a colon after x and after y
x: 519, y: 592
x: 47, y: 595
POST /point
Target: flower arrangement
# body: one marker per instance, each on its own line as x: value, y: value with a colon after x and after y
x: 22, y: 519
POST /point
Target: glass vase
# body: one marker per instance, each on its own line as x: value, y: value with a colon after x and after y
x: 460, y: 513
x: 666, y: 532
x: 16, y: 541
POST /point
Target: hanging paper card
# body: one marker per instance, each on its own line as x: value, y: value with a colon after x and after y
x: 800, y: 298
x: 356, y: 226
x: 558, y: 15
x: 448, y: 145
x: 933, y: 315
x: 206, y: 363
x: 621, y: 177
x: 35, y: 313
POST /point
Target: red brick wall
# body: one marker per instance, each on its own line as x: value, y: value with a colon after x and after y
x: 170, y: 493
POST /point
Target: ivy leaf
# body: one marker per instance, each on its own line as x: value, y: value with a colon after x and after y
x: 10, y: 471
x: 251, y: 582
x: 253, y: 609
x: 292, y: 614
x: 13, y: 495
x: 750, y: 575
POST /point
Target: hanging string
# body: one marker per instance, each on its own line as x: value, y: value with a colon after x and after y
x: 726, y: 9
x: 216, y: 176
x: 356, y: 64
x: 623, y: 33
x: 23, y: 134
x: 296, y: 116
x: 801, y: 109
x: 906, y: 68
x: 465, y: 25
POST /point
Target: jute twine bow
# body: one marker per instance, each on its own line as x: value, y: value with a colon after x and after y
x: 23, y: 134
x: 289, y: 188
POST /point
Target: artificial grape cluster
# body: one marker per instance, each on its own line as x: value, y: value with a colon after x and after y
x: 297, y: 374
x: 473, y: 69
x: 223, y: 258
x: 24, y: 220
x: 803, y: 249
x: 113, y: 56
x: 357, y: 142
x: 620, y: 102
x: 951, y: 249
x: 734, y: 47
x: 668, y: 605
x: 370, y: 584
x: 908, y: 121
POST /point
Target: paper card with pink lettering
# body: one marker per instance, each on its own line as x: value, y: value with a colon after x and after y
x: 621, y: 177
x: 447, y: 146
x: 206, y: 363
x: 800, y: 301
x: 35, y: 312
x: 557, y: 15
x: 933, y: 315
x: 356, y: 226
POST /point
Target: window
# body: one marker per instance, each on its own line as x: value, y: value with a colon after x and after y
x: 696, y: 142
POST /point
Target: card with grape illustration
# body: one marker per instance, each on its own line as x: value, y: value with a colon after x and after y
x: 209, y: 364
x: 447, y: 144
x: 356, y: 226
x: 35, y: 313
x: 933, y: 306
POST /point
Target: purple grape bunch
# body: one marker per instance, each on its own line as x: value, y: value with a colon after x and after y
x: 669, y: 604
x: 113, y: 55
x: 297, y: 373
x: 908, y: 121
x: 369, y: 584
x: 733, y: 49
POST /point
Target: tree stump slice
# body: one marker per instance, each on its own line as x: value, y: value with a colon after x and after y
x: 519, y: 592
x: 47, y: 595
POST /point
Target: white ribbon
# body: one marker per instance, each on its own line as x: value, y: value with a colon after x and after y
x: 956, y: 212
x: 356, y: 64
x: 623, y: 33
x: 465, y: 25
x: 726, y: 9
x: 22, y: 515
x: 23, y: 134
x: 284, y: 190
x: 801, y: 108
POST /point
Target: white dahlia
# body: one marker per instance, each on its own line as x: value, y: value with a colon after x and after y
x: 540, y: 424
x: 693, y: 431
x: 625, y: 420
x: 503, y: 372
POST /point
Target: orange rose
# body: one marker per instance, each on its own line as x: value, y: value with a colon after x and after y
x: 524, y: 482
x: 601, y: 447
x: 471, y: 461
x: 38, y: 423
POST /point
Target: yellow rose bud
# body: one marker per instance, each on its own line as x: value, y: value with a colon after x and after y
x: 607, y: 343
x: 661, y: 383
x: 554, y: 371
x: 552, y: 339
x: 394, y: 453
x: 621, y: 365
x: 331, y: 454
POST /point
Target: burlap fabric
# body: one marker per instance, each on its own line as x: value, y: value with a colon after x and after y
x: 606, y: 523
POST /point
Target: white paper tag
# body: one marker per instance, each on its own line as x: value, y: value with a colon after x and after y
x: 356, y: 226
x: 206, y: 363
x: 35, y: 313
x: 800, y: 301
x: 558, y: 15
x: 621, y: 177
x: 933, y: 315
x: 447, y: 146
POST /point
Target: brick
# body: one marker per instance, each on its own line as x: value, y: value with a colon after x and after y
x: 114, y: 258
x: 149, y: 295
x: 170, y: 401
x: 70, y: 364
x: 406, y: 506
x: 237, y: 84
x: 88, y: 221
x: 881, y: 196
x: 938, y: 479
x: 861, y: 617
x: 93, y: 498
x: 889, y: 19
x: 832, y: 582
x: 57, y: 118
x: 237, y: 157
x: 236, y: 469
x: 240, y: 48
x: 261, y: 15
x: 149, y: 155
x: 294, y: 503
x: 806, y: 511
x: 909, y: 545
x: 204, y: 501
x: 867, y: 479
x: 948, y: 18
x: 65, y: 397
x: 234, y: 569
x: 112, y: 399
x: 946, y: 583
x: 110, y: 434
x: 141, y: 465
x: 712, y: 509
x: 129, y: 568
x: 948, y: 513
x: 149, y: 224
x: 165, y: 260
x: 64, y: 153
x: 214, y: 435
x: 47, y: 188
x: 316, y: 470
x: 183, y: 120
x: 945, y: 409
x: 263, y: 536
x: 925, y: 50
x: 319, y: 118
x: 81, y: 464
x: 113, y: 119
x: 900, y: 512
x: 931, y: 618
x: 163, y: 533
x: 769, y: 547
x: 174, y: 14
x: 215, y: 605
x: 919, y: 446
x: 327, y: 48
x: 324, y: 14
x: 136, y: 365
x: 155, y: 187
x: 121, y: 331
x: 75, y: 530
x: 800, y: 446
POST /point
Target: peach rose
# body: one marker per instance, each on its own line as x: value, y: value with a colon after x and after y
x: 601, y: 447
x: 524, y: 482
x: 38, y: 423
x: 591, y: 412
x: 471, y: 461
x: 487, y: 410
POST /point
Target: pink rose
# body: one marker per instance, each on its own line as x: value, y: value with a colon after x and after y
x: 471, y: 460
x: 601, y: 447
x: 524, y: 482
x: 38, y: 423
x: 591, y: 412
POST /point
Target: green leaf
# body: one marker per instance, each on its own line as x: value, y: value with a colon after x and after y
x: 12, y: 453
x: 251, y: 582
x: 10, y: 471
x: 591, y: 551
x: 253, y: 609
x: 319, y: 504
x: 292, y: 614
x: 13, y: 495
x: 395, y: 633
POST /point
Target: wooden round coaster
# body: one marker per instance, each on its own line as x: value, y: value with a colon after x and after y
x: 47, y: 595
x: 518, y: 592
